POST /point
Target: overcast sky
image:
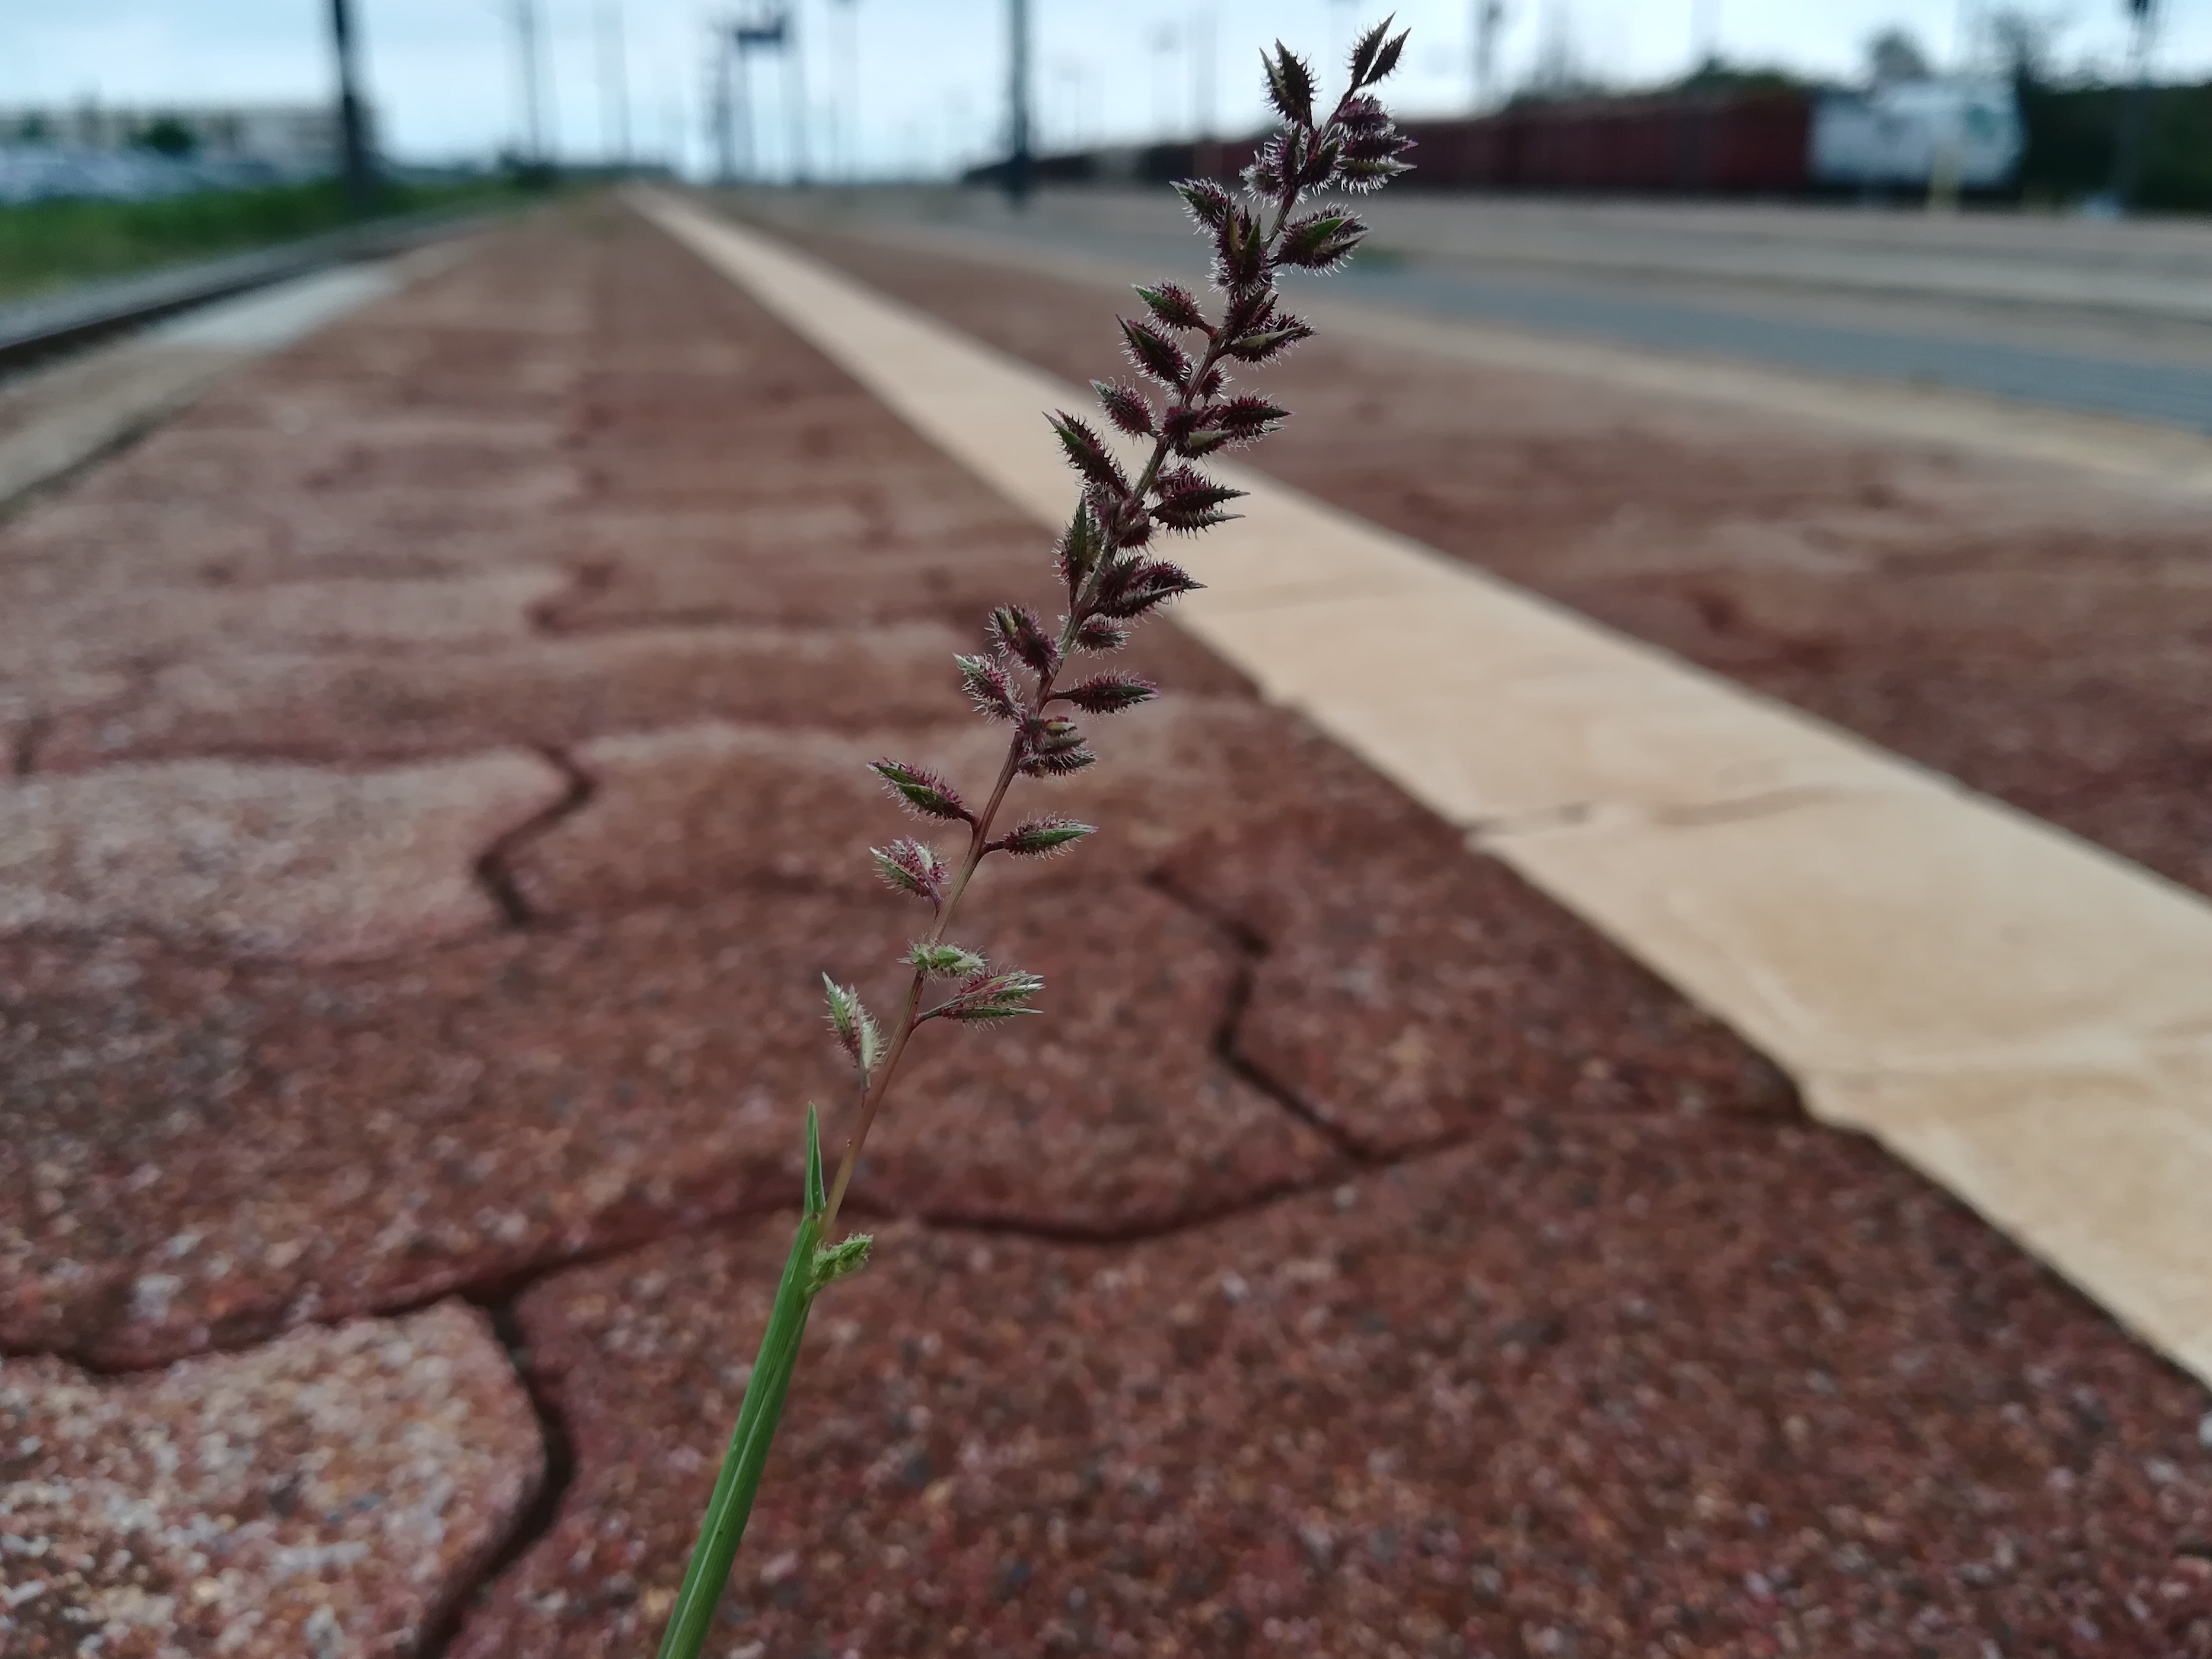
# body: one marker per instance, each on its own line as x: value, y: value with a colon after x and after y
x: 926, y: 75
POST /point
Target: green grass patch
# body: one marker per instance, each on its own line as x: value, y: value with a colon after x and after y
x: 51, y: 245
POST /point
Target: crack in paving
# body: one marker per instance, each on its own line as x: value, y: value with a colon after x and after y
x: 585, y: 580
x: 1251, y: 951
x: 534, y: 1521
x: 494, y: 867
x: 24, y: 761
x: 1487, y: 834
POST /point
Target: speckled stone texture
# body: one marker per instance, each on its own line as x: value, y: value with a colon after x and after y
x: 356, y: 709
x: 2034, y: 633
x: 325, y: 1497
x: 1588, y: 1385
x: 445, y: 747
x: 1407, y: 991
x: 266, y: 861
x: 206, y: 1150
x: 685, y: 810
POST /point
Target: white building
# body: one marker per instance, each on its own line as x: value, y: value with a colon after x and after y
x: 293, y: 140
x: 1913, y: 133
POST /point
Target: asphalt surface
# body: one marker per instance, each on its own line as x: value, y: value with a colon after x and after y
x: 2113, y: 321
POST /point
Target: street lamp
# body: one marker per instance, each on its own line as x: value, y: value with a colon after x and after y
x: 2135, y: 106
x: 1021, y: 161
x: 357, y: 165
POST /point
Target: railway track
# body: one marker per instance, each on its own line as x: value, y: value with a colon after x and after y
x: 34, y: 331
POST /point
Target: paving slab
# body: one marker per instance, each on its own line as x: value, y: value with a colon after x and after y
x: 421, y: 1094
x: 2026, y: 619
x: 1259, y: 992
x: 680, y: 813
x: 266, y: 861
x: 357, y: 706
x: 204, y: 1152
x: 1406, y: 993
x: 1588, y: 1384
x: 54, y: 420
x: 329, y: 1494
x: 2004, y: 931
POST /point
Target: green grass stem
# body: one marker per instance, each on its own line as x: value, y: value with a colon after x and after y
x: 738, y: 1483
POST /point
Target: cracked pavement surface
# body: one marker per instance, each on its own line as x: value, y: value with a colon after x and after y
x: 1360, y: 1255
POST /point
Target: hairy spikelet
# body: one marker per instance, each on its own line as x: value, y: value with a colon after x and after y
x: 1128, y: 407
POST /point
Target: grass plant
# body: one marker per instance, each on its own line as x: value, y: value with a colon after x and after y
x: 1108, y: 558
x: 51, y: 245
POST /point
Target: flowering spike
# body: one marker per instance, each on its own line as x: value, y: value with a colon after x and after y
x: 1015, y: 632
x: 1240, y: 250
x: 1362, y: 112
x: 1141, y: 584
x: 1174, y: 305
x: 1127, y: 407
x: 1043, y: 838
x: 1267, y: 346
x: 989, y: 998
x: 945, y: 961
x: 1201, y: 444
x: 1110, y: 694
x: 840, y: 1261
x: 1081, y: 545
x: 1243, y: 419
x: 1052, y: 748
x: 1207, y: 203
x: 920, y: 789
x: 1096, y: 634
x: 1290, y: 85
x: 1264, y: 177
x: 1321, y: 159
x: 852, y: 1026
x: 1087, y: 452
x: 1375, y: 55
x: 989, y: 687
x: 907, y: 865
x: 1365, y: 176
x: 1156, y: 355
x: 1319, y: 241
x: 1189, y: 499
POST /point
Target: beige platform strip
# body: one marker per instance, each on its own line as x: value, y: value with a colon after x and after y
x: 2024, y: 1017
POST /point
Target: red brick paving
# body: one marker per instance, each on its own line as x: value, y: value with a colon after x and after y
x: 1589, y: 1384
x: 1624, y: 1357
x: 228, y: 1505
x: 2040, y: 635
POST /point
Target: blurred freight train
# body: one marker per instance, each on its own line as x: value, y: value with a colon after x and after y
x: 1914, y: 135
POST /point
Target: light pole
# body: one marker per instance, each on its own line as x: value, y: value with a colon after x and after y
x: 356, y: 163
x: 2134, y: 106
x: 1164, y: 42
x: 847, y: 158
x: 614, y: 85
x: 1021, y: 161
x: 1205, y: 80
x: 1705, y: 33
x: 1488, y: 14
x: 536, y: 149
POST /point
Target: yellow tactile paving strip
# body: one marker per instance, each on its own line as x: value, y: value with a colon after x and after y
x: 2024, y: 1017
